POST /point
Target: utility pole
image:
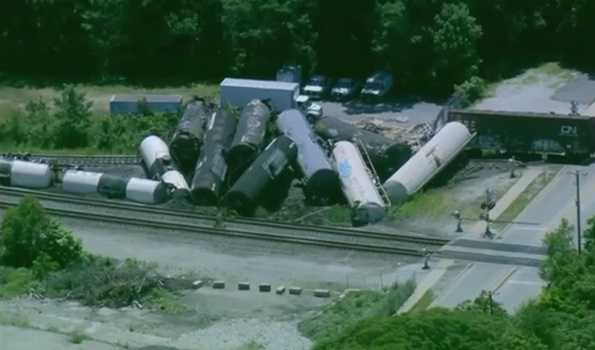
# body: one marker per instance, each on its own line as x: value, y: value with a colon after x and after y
x: 578, y: 211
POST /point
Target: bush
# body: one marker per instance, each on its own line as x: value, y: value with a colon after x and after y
x: 73, y: 112
x: 470, y: 91
x: 29, y: 234
x: 15, y: 282
x: 353, y: 308
x: 99, y: 281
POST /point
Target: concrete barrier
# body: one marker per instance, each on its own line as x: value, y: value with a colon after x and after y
x: 295, y: 290
x: 322, y: 293
x: 264, y: 287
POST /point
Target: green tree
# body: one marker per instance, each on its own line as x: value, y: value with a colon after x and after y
x: 39, y: 123
x: 73, y: 112
x: 29, y: 234
x: 454, y: 37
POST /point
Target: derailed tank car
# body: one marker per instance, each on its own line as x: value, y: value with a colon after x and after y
x: 249, y: 137
x: 266, y: 172
x: 158, y: 163
x: 120, y: 187
x: 189, y: 135
x: 358, y: 185
x: 386, y: 155
x: 320, y: 180
x: 428, y: 161
x: 20, y: 173
x: 211, y: 169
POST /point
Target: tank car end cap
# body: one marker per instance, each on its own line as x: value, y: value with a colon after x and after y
x: 367, y: 214
x: 396, y: 192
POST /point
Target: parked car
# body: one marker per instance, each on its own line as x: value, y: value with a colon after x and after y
x: 317, y: 87
x: 345, y: 88
x: 378, y: 85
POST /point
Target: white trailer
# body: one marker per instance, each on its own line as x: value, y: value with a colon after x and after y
x: 239, y: 92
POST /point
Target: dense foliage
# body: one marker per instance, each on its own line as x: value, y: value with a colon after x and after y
x: 429, y: 44
x: 562, y: 318
x: 68, y: 124
x: 30, y: 238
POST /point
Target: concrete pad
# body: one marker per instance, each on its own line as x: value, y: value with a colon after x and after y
x: 13, y: 338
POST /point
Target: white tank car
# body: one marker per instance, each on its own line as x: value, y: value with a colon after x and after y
x: 428, y: 161
x: 146, y: 191
x: 75, y: 181
x: 26, y: 174
x: 155, y: 154
x: 176, y: 179
x: 357, y: 185
x: 159, y: 165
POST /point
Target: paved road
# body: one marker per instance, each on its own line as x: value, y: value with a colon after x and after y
x: 515, y: 285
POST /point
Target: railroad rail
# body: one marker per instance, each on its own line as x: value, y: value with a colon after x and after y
x: 81, y: 160
x: 188, y: 221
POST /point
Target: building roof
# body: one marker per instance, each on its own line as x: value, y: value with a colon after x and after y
x: 259, y: 84
x: 149, y: 98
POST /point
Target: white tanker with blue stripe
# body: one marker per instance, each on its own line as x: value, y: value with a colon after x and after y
x: 358, y: 185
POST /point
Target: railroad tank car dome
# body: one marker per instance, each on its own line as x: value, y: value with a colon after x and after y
x: 30, y: 174
x: 428, y: 161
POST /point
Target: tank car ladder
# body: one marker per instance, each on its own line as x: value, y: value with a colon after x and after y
x: 372, y: 172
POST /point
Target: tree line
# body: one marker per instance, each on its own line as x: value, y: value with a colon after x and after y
x: 429, y: 44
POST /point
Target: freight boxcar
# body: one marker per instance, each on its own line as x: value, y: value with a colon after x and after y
x: 211, y: 169
x: 428, y: 162
x: 263, y: 175
x: 249, y: 137
x: 320, y: 180
x: 523, y: 134
x: 189, y: 135
x: 387, y: 156
x: 358, y: 184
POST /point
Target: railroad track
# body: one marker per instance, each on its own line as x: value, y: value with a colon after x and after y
x: 184, y: 220
x: 85, y: 160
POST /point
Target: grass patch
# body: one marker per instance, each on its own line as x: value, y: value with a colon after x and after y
x: 424, y: 302
x: 353, y: 308
x: 251, y: 346
x: 19, y: 321
x: 431, y: 204
x: 15, y: 282
x: 163, y: 300
x: 77, y: 337
x: 521, y: 202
